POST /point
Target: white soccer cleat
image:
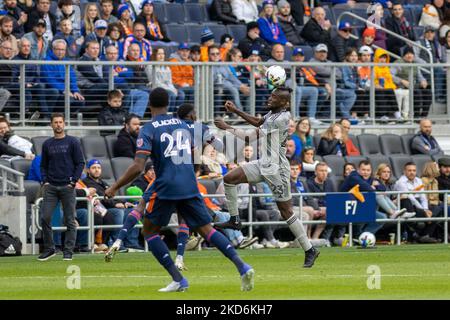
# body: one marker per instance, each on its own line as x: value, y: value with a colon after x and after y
x: 179, y: 263
x: 248, y: 280
x: 109, y: 255
x: 174, y: 286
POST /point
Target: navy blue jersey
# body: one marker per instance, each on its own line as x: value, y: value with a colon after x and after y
x: 167, y: 140
x: 202, y: 135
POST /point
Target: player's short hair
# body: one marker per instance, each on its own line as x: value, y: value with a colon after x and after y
x: 184, y: 110
x: 287, y: 89
x: 364, y: 163
x: 409, y: 163
x: 130, y: 117
x: 159, y: 98
x: 114, y: 94
x: 57, y: 115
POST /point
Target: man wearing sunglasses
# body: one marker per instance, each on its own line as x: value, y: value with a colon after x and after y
x: 342, y: 42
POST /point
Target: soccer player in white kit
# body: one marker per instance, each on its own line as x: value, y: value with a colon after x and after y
x: 272, y: 167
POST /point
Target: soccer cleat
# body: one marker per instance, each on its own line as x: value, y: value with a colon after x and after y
x: 179, y: 263
x: 310, y: 256
x: 109, y: 255
x: 193, y: 243
x: 174, y: 286
x: 233, y: 223
x: 248, y: 279
x: 46, y: 255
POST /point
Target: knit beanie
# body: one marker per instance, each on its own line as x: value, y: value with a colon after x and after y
x: 206, y: 35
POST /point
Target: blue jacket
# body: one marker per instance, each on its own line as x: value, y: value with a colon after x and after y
x: 268, y: 35
x: 34, y: 172
x: 350, y: 78
x: 54, y: 75
x: 355, y: 178
x: 73, y: 45
x: 313, y: 187
x: 122, y: 72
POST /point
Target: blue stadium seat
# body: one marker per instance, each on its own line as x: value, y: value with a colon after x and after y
x: 418, y: 31
x: 329, y: 14
x: 309, y: 53
x: 175, y: 13
x: 160, y: 12
x: 219, y: 30
x: 238, y: 31
x: 416, y: 12
x: 194, y: 33
x: 361, y: 13
x: 195, y: 13
x: 177, y: 32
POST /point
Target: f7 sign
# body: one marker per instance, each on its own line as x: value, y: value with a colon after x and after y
x: 345, y: 208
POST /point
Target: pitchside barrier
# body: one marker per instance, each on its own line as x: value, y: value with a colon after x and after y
x: 351, y: 211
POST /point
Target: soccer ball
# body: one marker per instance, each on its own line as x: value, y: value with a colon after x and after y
x: 367, y: 239
x: 276, y: 76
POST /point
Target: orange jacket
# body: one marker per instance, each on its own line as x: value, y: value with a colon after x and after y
x: 182, y: 75
x: 204, y: 57
x: 209, y: 204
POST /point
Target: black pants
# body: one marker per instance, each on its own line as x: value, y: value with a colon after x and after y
x: 263, y: 215
x: 430, y: 227
x: 107, y: 219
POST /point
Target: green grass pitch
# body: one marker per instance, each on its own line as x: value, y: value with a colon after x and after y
x: 407, y: 272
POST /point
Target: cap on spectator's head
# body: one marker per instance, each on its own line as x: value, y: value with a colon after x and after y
x: 321, y: 47
x: 225, y: 38
x: 408, y: 50
x: 195, y: 48
x: 345, y: 25
x: 365, y: 50
x: 122, y: 8
x: 101, y: 24
x: 369, y: 32
x: 282, y: 3
x: 298, y: 51
x: 183, y: 46
x: 429, y: 29
x: 444, y: 162
x: 206, y: 35
x: 252, y: 25
x: 41, y: 22
x: 267, y: 2
x: 144, y: 2
x: 92, y: 162
x: 149, y: 165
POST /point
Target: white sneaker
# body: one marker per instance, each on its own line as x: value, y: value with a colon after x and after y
x: 407, y: 215
x: 398, y: 213
x: 179, y: 263
x: 174, y: 286
x: 315, y: 122
x: 319, y: 242
x: 109, y: 255
x: 248, y: 280
x: 246, y: 242
x: 256, y: 246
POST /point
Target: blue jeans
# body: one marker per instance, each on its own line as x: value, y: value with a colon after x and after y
x: 175, y: 100
x: 137, y: 100
x: 118, y: 219
x: 231, y: 234
x: 55, y: 100
x: 311, y: 95
x: 188, y: 93
x: 345, y: 99
x: 371, y: 227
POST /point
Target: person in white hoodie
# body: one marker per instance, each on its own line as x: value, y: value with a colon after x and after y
x: 20, y: 146
x: 246, y: 10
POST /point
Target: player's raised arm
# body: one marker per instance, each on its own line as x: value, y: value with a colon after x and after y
x: 251, y: 134
x: 254, y: 121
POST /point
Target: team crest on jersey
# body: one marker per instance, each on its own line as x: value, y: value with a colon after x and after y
x: 139, y: 142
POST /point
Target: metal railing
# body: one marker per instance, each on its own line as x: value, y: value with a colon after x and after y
x: 11, y: 180
x: 209, y: 95
x: 35, y: 215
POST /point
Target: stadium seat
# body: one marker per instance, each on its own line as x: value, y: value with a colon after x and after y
x: 336, y: 182
x: 94, y: 147
x: 398, y: 162
x: 209, y: 185
x: 360, y: 12
x: 369, y: 144
x: 37, y: 143
x: 107, y: 171
x: 218, y: 30
x: 391, y: 144
x: 316, y: 139
x: 354, y: 140
x: 175, y: 13
x: 22, y: 165
x: 176, y: 32
x: 418, y: 31
x: 416, y: 11
x: 330, y: 15
x: 406, y: 141
x: 110, y: 141
x: 238, y: 31
x: 435, y: 157
x: 160, y: 12
x: 355, y: 159
x: 195, y: 13
x: 336, y: 163
x: 308, y: 51
x: 120, y: 165
x: 194, y: 33
x: 420, y: 160
x: 32, y: 189
x: 376, y: 160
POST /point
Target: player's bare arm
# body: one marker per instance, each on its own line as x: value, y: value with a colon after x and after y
x: 251, y: 134
x: 254, y: 121
x: 129, y: 176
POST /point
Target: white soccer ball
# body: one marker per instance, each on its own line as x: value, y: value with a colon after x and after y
x: 276, y: 76
x: 367, y: 239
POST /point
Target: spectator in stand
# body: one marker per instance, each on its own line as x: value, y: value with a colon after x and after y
x: 74, y: 43
x: 317, y: 29
x: 430, y: 173
x: 342, y: 42
x: 245, y: 10
x: 243, y: 75
x: 137, y: 37
x: 375, y: 13
x: 183, y: 75
x: 54, y: 78
x: 161, y: 76
x: 18, y: 15
x: 308, y: 163
x: 89, y: 17
x: 206, y: 42
x: 415, y: 203
x: 352, y: 150
x: 277, y: 55
x: 34, y: 89
x: 221, y: 10
x: 445, y: 27
x: 42, y: 11
x: 6, y: 72
x: 367, y: 38
x: 120, y: 73
x: 26, y: 5
x: 303, y: 131
x: 106, y: 10
x: 398, y: 24
x: 61, y: 166
x: 262, y: 91
x: 254, y: 42
x: 11, y: 144
x: 270, y: 28
x: 6, y: 29
x: 332, y: 142
x: 363, y: 178
x: 288, y: 24
x: 137, y: 81
x: 348, y: 168
x: 115, y: 36
x: 292, y: 135
x: 444, y: 176
x: 154, y: 30
x: 195, y: 54
x: 99, y: 35
x: 68, y: 10
x: 39, y: 45
x: 291, y: 152
x: 248, y: 152
x: 91, y: 80
x: 363, y: 95
x: 423, y: 142
x: 213, y: 163
x: 125, y: 18
x: 125, y: 146
x: 226, y: 44
x: 301, y: 10
x: 113, y: 114
x: 431, y: 15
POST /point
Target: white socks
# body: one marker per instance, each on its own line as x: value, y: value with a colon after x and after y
x: 231, y: 198
x: 297, y: 229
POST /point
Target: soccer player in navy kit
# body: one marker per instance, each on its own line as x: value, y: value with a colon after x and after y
x: 168, y: 141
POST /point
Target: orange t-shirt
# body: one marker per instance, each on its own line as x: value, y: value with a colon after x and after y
x: 209, y: 204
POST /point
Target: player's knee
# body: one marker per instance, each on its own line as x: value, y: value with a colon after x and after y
x: 228, y: 179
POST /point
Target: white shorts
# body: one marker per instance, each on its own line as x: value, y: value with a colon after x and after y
x: 277, y: 178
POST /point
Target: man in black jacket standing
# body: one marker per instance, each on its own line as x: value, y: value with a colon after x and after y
x: 61, y: 166
x: 317, y: 29
x: 125, y: 145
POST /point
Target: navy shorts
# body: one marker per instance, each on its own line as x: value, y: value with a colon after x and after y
x: 192, y: 210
